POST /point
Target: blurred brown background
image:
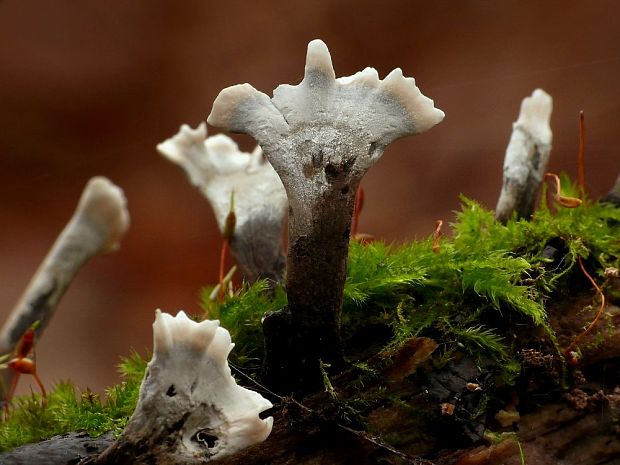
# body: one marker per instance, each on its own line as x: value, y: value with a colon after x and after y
x: 90, y: 87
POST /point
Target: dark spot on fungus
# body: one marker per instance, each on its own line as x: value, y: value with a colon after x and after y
x: 317, y: 159
x: 205, y: 438
x: 177, y: 425
x: 308, y: 170
x: 267, y: 413
x: 374, y: 149
x: 331, y: 172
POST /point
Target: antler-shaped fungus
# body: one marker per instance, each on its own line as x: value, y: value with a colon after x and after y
x: 526, y: 157
x: 217, y: 167
x: 190, y: 408
x: 96, y: 227
x: 321, y: 136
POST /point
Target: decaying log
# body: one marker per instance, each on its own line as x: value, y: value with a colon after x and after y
x: 68, y: 449
x: 555, y: 426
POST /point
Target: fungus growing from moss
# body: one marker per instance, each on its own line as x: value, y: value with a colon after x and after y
x: 526, y: 157
x: 190, y: 408
x: 217, y: 167
x: 321, y: 136
x: 96, y: 227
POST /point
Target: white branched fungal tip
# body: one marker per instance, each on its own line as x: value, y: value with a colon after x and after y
x: 187, y: 144
x: 189, y: 377
x: 97, y: 225
x: 217, y: 167
x: 103, y: 209
x: 379, y: 110
x: 535, y: 115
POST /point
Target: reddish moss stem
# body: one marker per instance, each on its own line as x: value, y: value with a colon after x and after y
x: 223, y: 255
x: 568, y: 352
x: 568, y: 202
x: 359, y: 204
x: 437, y: 237
x: 581, y: 156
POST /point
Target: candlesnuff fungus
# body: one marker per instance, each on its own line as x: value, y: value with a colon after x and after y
x: 217, y: 167
x: 190, y: 408
x: 321, y: 137
x: 96, y: 227
x: 526, y: 157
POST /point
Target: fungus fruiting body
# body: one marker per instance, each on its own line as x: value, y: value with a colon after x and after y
x: 217, y: 167
x: 321, y: 136
x: 99, y: 222
x: 526, y: 157
x: 190, y: 408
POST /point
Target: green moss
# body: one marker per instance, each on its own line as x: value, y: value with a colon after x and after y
x: 68, y: 410
x: 241, y: 315
x: 486, y: 267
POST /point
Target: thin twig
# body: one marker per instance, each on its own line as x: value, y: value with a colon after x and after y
x: 252, y: 380
x: 359, y: 204
x: 568, y: 202
x: 360, y: 434
x: 365, y: 436
x: 437, y: 237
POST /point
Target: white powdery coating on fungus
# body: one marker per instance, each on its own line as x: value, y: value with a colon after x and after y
x: 528, y: 151
x: 217, y: 167
x: 103, y: 209
x: 535, y: 115
x: 189, y: 374
x: 362, y: 101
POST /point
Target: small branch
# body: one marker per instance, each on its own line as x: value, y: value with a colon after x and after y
x: 58, y: 450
